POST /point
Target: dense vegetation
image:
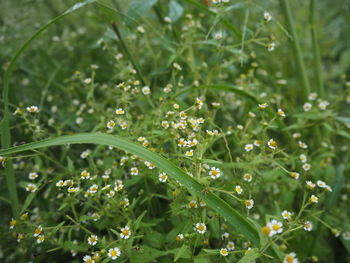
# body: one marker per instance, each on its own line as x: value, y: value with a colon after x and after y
x: 175, y: 130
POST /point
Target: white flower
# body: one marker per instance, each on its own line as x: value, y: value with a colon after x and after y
x: 125, y: 232
x: 323, y: 105
x: 119, y: 111
x: 306, y: 167
x: 308, y: 226
x: 294, y: 175
x: 249, y: 203
x: 314, y: 199
x: 87, y: 80
x: 165, y: 124
x: 275, y: 227
x: 33, y: 176
x: 93, y: 189
x: 183, y: 115
x: 31, y: 188
x: 85, y: 175
x: 263, y: 106
x: 321, y: 184
x: 281, y: 113
x: 249, y: 147
x: 163, y: 177
x: 167, y: 19
x: 201, y: 228
x: 92, y: 240
x: 179, y: 237
x: 267, y: 16
x: 134, y: 171
x: 40, y: 239
x: 146, y: 90
x: 302, y: 145
x: 140, y: 29
x: 189, y: 153
x: 286, y: 215
x: 272, y: 144
x: 310, y: 185
x: 85, y: 154
x: 303, y: 158
x: 230, y: 246
x: 224, y: 252
x: 110, y: 124
x: 215, y: 173
x: 192, y: 204
x: 225, y: 235
x: 113, y: 253
x: 312, y: 96
x: 290, y: 258
x: 182, y: 142
x: 247, y: 177
x: 218, y: 35
x: 307, y: 106
x: 177, y: 66
x: 38, y: 231
x: 257, y: 143
x: 271, y: 46
x: 32, y: 109
x: 88, y: 259
x: 239, y: 189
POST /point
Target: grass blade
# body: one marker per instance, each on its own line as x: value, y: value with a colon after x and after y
x: 297, y: 49
x: 240, y: 223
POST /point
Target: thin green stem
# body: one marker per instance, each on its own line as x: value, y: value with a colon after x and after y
x: 316, y: 50
x: 127, y: 52
x: 297, y: 50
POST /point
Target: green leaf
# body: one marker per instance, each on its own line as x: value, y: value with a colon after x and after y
x: 138, y: 8
x: 345, y: 120
x: 180, y: 253
x: 175, y: 11
x: 56, y: 228
x: 233, y: 217
x: 250, y: 256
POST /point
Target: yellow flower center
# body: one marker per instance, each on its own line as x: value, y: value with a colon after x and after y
x: 289, y: 259
x: 266, y: 230
x: 201, y: 228
x: 275, y: 227
x: 113, y: 253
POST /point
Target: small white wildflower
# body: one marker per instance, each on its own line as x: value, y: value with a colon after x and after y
x: 32, y: 109
x: 114, y: 253
x: 125, y: 232
x: 307, y: 106
x: 146, y: 90
x: 201, y: 228
x: 163, y: 177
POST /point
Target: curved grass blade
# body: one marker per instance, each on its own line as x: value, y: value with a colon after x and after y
x: 240, y: 223
x: 5, y: 122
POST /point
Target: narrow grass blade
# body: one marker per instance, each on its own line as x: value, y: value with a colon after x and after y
x: 5, y: 122
x: 305, y: 87
x: 240, y: 223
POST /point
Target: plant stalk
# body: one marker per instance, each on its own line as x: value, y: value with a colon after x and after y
x: 305, y: 90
